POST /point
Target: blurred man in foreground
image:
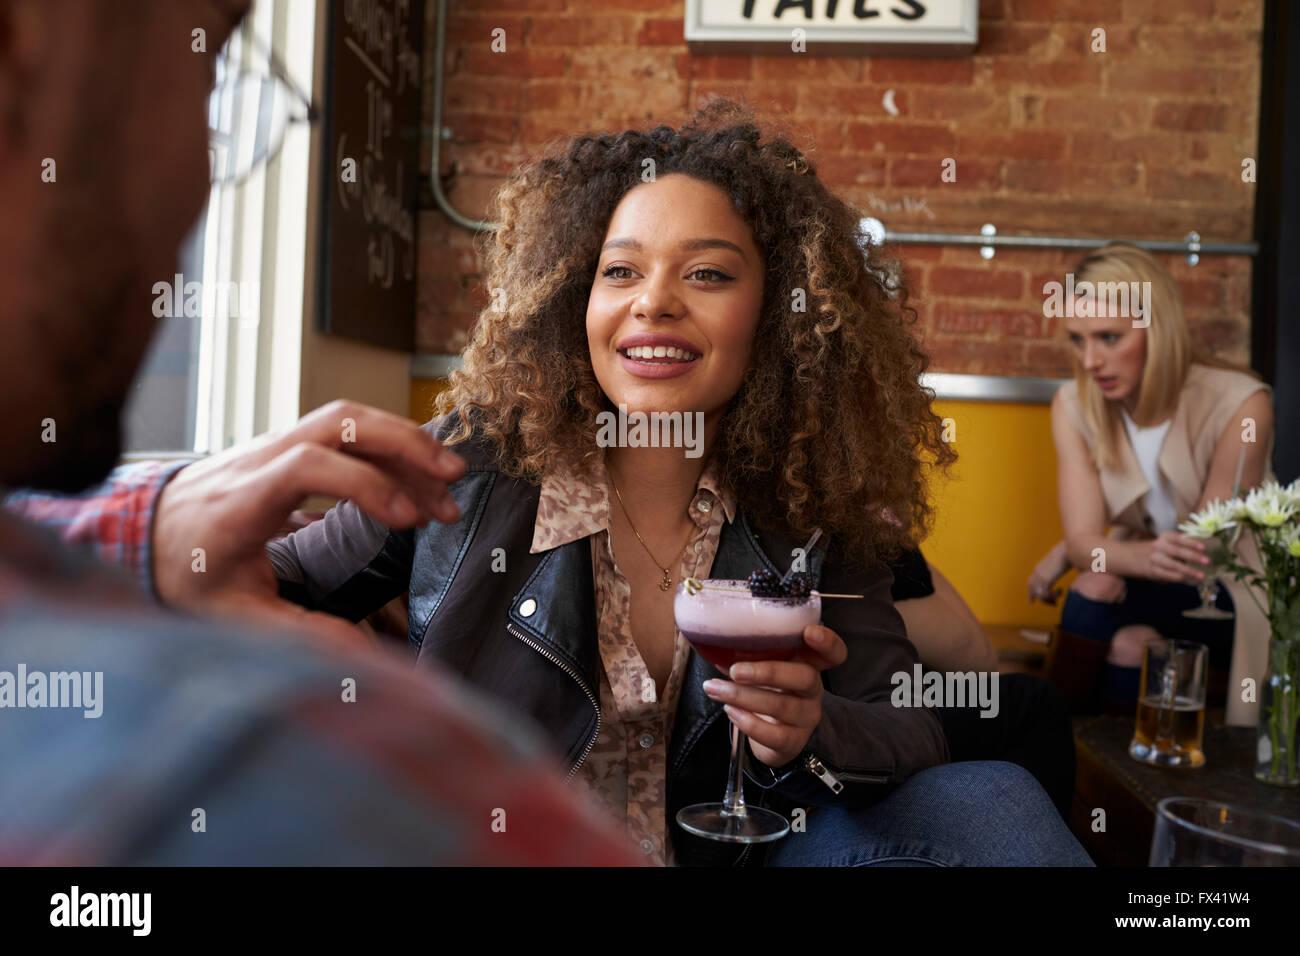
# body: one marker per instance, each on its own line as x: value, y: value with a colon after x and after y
x: 132, y: 736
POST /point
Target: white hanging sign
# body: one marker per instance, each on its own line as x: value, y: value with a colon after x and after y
x: 854, y: 27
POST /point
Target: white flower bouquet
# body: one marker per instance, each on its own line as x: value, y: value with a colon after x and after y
x: 1271, y: 515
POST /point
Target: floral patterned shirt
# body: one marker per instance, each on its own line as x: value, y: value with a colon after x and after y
x: 627, y: 769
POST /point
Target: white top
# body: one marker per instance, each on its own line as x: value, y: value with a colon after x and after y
x: 1159, y: 500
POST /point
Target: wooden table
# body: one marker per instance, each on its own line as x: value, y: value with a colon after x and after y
x: 1109, y: 779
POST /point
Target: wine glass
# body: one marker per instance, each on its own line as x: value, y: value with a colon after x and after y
x: 1209, y: 588
x: 1208, y: 610
x: 726, y: 623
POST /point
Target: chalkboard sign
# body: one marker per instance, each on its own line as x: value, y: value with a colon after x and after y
x: 371, y: 158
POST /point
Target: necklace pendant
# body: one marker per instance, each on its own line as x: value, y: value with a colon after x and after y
x: 666, y: 583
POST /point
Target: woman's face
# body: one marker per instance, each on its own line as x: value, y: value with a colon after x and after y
x: 1112, y: 351
x: 680, y: 274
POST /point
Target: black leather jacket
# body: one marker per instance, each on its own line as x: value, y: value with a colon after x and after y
x: 527, y: 634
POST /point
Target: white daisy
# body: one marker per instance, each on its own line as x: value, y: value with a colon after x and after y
x: 1291, y: 541
x: 1270, y: 506
x: 1215, y: 517
x: 1291, y: 494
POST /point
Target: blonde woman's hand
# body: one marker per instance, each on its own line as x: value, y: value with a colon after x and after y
x: 1174, y: 556
x: 1046, y: 573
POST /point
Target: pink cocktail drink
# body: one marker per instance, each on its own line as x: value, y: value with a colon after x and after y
x: 728, y: 621
x: 726, y: 624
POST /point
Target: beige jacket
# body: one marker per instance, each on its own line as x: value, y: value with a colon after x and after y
x: 1209, y: 401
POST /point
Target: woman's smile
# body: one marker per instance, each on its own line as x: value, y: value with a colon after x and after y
x: 647, y: 355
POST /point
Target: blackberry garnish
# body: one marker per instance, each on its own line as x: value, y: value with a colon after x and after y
x: 764, y: 583
x: 798, y: 588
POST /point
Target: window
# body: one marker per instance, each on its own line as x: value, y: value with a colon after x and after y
x: 224, y: 364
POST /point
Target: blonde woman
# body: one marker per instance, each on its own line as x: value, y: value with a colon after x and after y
x: 1151, y: 429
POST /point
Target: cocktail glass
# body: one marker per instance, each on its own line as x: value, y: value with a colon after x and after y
x: 725, y: 623
x: 1209, y: 587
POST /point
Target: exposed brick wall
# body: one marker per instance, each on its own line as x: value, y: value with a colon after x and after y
x: 1145, y: 140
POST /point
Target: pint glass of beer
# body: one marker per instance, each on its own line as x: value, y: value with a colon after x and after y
x: 1171, y: 705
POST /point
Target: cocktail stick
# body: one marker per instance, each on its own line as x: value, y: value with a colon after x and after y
x: 694, y: 586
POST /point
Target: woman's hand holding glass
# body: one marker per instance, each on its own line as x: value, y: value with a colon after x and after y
x: 778, y: 704
x: 1173, y: 556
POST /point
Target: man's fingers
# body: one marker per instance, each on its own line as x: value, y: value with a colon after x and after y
x: 361, y: 430
x: 429, y: 493
x: 397, y: 446
x: 276, y: 488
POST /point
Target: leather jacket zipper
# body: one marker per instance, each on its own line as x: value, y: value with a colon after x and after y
x: 572, y: 673
x: 818, y: 770
x: 835, y: 782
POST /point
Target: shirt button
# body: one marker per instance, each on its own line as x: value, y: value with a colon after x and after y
x: 646, y: 741
x: 705, y: 505
x: 647, y: 846
x: 699, y: 546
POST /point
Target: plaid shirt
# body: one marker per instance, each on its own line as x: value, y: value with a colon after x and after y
x: 223, y: 745
x: 112, y: 520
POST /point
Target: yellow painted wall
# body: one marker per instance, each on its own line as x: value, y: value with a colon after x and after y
x: 994, y: 519
x: 998, y: 515
x: 423, y: 392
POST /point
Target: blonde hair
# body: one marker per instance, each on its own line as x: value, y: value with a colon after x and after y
x: 1170, y: 349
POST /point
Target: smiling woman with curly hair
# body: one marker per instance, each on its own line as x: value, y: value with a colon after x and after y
x: 830, y: 415
x: 704, y: 273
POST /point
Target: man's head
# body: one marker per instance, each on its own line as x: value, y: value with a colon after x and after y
x: 103, y: 170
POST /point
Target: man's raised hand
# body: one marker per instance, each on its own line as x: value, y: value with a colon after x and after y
x: 231, y: 504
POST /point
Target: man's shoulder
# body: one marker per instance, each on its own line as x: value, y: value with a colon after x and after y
x: 124, y: 714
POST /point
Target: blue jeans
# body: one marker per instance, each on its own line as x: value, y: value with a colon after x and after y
x: 1158, y: 604
x: 970, y: 813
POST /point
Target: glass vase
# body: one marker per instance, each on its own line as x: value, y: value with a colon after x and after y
x: 1276, y: 761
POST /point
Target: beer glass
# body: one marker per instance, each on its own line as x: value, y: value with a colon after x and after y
x: 1171, y: 705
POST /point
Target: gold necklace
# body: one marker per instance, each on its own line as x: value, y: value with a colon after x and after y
x: 667, y: 581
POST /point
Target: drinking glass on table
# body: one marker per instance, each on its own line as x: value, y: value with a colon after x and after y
x: 1195, y: 832
x: 726, y: 623
x: 1171, y: 708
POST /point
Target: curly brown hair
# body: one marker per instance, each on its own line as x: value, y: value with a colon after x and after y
x: 830, y: 426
